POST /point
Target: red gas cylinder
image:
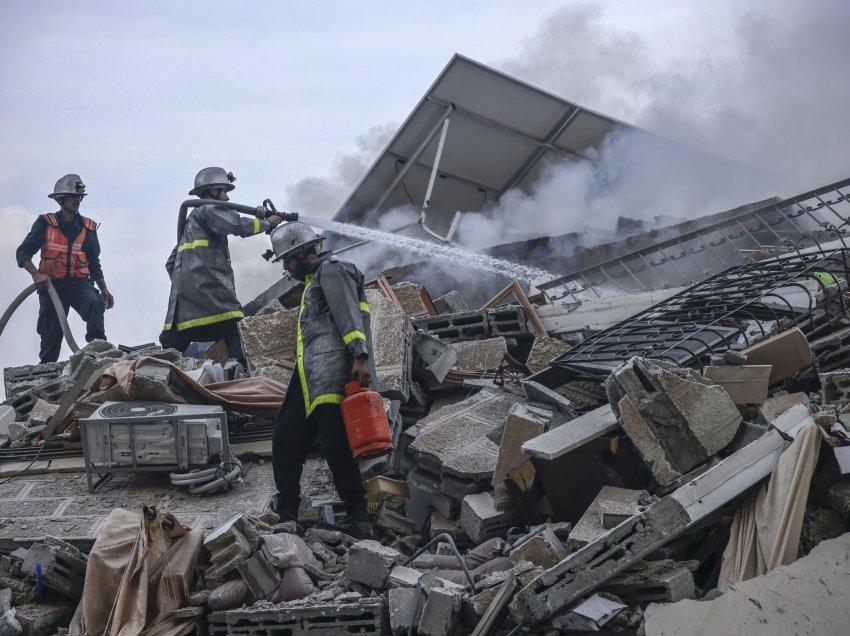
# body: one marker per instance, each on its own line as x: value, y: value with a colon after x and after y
x: 366, y: 422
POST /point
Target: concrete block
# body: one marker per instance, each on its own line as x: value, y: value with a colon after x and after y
x: 440, y: 525
x: 392, y: 346
x: 775, y: 406
x: 439, y: 616
x: 261, y: 577
x: 41, y: 412
x: 508, y: 321
x: 544, y: 350
x: 5, y: 600
x: 59, y: 575
x: 23, y: 378
x: 675, y: 417
x: 370, y: 563
x: 480, y: 518
x: 745, y: 384
x: 269, y: 338
x: 17, y: 431
x: 403, y: 576
x: 456, y: 327
x: 453, y: 443
x: 405, y: 609
x: 543, y: 549
x: 7, y: 416
x: 524, y: 422
x: 590, y: 526
x: 480, y: 355
x: 410, y: 297
x: 432, y: 358
x: 450, y: 303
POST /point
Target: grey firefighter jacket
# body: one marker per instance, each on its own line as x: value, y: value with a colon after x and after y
x: 202, y: 288
x: 333, y: 328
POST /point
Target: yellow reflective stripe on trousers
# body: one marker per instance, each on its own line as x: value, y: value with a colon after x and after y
x: 299, y: 349
x: 364, y: 307
x: 208, y: 320
x: 256, y: 226
x: 192, y: 245
x: 353, y: 335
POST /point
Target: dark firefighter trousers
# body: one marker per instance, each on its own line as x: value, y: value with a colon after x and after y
x: 79, y: 294
x: 294, y: 437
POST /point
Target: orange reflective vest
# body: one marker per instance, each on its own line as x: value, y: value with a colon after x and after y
x: 61, y: 258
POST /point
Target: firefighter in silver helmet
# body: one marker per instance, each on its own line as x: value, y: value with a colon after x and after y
x: 70, y: 259
x: 333, y: 347
x: 202, y: 305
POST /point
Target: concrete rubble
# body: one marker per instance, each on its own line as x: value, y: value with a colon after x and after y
x: 544, y: 501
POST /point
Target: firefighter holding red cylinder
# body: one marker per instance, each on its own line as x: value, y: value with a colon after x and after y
x: 333, y: 349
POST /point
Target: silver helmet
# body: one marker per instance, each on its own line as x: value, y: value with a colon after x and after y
x: 291, y: 238
x: 69, y: 184
x: 213, y: 178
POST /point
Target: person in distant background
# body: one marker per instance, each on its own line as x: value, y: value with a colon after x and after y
x: 202, y: 305
x: 70, y: 259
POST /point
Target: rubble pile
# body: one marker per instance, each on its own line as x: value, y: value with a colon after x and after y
x: 510, y: 499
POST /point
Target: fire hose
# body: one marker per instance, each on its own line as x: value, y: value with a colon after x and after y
x: 57, y: 304
x: 263, y: 211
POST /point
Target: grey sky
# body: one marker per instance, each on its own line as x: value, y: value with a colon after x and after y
x: 136, y: 97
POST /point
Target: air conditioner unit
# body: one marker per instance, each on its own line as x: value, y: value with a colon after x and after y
x: 144, y: 436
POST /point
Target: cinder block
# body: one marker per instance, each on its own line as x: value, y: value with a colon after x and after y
x: 439, y: 616
x: 654, y: 582
x: 450, y: 303
x: 480, y: 518
x: 370, y: 563
x: 508, y: 321
x: 403, y: 608
x: 480, y: 355
x: 432, y: 358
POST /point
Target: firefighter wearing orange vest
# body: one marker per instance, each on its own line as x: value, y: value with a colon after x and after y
x: 70, y: 258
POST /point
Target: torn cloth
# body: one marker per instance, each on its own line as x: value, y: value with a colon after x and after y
x: 138, y: 573
x: 258, y: 396
x: 766, y: 529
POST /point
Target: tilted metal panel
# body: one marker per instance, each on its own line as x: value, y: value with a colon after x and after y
x: 499, y: 130
x: 798, y: 222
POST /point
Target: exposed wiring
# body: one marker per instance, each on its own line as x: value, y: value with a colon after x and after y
x: 24, y: 471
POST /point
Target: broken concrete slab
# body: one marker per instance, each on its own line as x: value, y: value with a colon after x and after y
x: 675, y: 417
x: 41, y: 412
x: 480, y: 355
x: 269, y: 338
x: 261, y: 577
x: 621, y: 547
x: 572, y: 435
x: 543, y: 549
x: 544, y: 350
x: 432, y: 357
x: 592, y: 526
x: 523, y: 423
x: 763, y: 606
x: 405, y: 608
x: 392, y: 346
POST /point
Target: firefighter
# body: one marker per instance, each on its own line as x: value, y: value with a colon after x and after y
x: 70, y: 259
x: 333, y: 347
x: 202, y: 305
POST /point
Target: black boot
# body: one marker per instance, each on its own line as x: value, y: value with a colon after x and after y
x: 286, y: 507
x: 357, y: 522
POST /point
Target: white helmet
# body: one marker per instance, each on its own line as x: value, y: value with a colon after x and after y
x: 291, y: 238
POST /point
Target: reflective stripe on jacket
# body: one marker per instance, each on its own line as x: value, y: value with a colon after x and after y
x: 60, y: 257
x: 203, y: 291
x: 333, y: 328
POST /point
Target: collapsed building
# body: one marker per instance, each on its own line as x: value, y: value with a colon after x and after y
x: 629, y: 447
